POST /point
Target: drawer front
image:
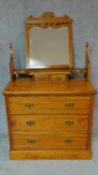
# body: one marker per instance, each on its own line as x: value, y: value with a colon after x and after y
x: 47, y: 105
x: 49, y: 141
x: 46, y: 122
x: 59, y: 77
x: 41, y: 77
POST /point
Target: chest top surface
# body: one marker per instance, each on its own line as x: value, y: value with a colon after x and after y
x: 76, y: 86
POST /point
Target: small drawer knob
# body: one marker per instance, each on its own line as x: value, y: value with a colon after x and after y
x: 30, y: 122
x: 68, y: 140
x: 58, y: 78
x: 30, y: 140
x: 42, y: 78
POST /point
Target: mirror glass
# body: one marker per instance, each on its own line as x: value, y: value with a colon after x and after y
x: 48, y: 47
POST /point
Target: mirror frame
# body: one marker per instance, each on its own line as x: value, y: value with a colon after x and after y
x: 48, y: 19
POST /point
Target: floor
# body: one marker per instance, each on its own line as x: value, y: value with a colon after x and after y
x: 51, y: 167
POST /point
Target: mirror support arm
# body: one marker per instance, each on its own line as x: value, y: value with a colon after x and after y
x: 12, y: 64
x: 87, y: 57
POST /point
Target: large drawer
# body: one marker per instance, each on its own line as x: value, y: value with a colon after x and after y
x: 49, y: 122
x: 49, y: 141
x: 48, y: 105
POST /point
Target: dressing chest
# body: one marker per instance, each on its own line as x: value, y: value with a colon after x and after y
x: 50, y: 106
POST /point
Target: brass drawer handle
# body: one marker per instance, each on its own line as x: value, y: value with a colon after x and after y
x: 30, y: 140
x: 69, y: 122
x: 29, y: 105
x: 68, y: 140
x: 70, y: 104
x: 30, y: 122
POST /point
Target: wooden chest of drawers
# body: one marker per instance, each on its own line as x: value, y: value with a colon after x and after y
x: 48, y: 120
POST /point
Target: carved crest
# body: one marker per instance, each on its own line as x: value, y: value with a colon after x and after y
x: 48, y: 19
x: 48, y: 14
